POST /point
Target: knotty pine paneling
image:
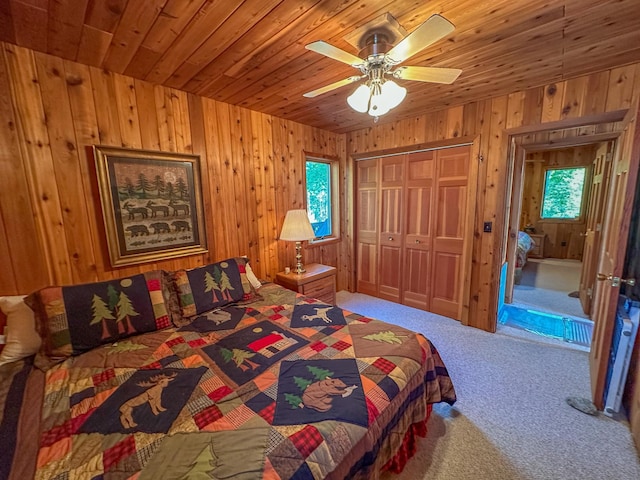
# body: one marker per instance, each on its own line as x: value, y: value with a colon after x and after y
x: 487, y: 119
x: 53, y: 110
x: 252, y: 166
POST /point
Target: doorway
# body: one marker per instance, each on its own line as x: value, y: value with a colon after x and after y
x: 549, y: 290
x: 613, y: 264
x: 560, y: 208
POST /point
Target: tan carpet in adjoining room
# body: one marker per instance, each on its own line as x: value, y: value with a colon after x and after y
x: 546, y: 284
x: 511, y: 421
x: 552, y: 274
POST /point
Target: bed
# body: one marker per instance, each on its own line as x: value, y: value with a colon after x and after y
x: 525, y: 245
x: 198, y: 374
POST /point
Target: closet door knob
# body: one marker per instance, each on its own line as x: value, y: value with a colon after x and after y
x: 417, y: 241
x: 390, y: 239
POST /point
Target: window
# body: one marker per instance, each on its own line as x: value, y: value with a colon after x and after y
x: 563, y: 193
x: 321, y: 177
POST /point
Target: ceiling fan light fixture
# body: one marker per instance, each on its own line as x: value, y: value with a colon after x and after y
x: 393, y: 93
x: 380, y: 58
x: 377, y: 98
x: 359, y: 99
x: 379, y: 104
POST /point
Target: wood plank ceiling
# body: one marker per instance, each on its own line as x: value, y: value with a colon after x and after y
x: 251, y: 53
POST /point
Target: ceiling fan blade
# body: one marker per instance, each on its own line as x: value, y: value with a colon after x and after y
x: 428, y: 74
x: 323, y: 48
x: 429, y: 32
x: 333, y: 86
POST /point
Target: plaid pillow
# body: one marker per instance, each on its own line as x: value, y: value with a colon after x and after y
x: 74, y: 319
x: 211, y: 286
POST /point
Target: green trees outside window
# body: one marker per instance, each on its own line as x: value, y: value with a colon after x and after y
x: 319, y: 197
x: 563, y: 191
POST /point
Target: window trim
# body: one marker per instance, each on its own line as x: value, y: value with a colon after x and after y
x: 334, y: 172
x: 583, y: 201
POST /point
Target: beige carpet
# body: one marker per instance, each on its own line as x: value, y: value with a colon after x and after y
x: 546, y: 284
x: 552, y: 274
x: 511, y: 421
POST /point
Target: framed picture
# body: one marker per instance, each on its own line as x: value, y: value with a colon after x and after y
x: 151, y: 203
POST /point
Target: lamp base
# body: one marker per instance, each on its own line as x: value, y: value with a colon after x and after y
x: 299, y: 267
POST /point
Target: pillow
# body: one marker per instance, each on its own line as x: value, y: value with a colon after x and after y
x: 211, y: 286
x: 22, y: 338
x: 74, y: 319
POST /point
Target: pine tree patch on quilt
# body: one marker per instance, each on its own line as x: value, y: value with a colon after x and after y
x: 316, y: 315
x: 315, y: 390
x: 377, y: 339
x: 75, y: 319
x: 210, y: 286
x: 149, y: 401
x: 247, y: 353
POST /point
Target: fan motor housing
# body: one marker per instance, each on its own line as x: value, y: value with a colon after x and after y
x: 376, y: 43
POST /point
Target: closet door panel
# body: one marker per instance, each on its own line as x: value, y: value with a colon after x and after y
x: 367, y: 227
x: 416, y: 278
x: 391, y: 219
x: 452, y: 170
x: 446, y: 284
x: 418, y: 229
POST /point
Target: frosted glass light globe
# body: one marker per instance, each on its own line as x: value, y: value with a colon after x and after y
x: 359, y: 99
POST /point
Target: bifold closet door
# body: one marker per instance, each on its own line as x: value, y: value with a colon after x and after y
x: 391, y: 219
x: 367, y: 227
x: 413, y: 228
x: 418, y: 229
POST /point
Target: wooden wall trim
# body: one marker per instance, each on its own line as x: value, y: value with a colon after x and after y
x: 569, y: 142
x: 594, y: 119
x: 421, y: 147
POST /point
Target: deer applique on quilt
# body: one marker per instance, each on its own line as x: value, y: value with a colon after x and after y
x: 152, y: 395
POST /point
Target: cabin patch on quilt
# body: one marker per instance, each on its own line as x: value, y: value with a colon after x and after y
x: 316, y: 315
x: 312, y: 391
x: 247, y: 353
x: 149, y: 401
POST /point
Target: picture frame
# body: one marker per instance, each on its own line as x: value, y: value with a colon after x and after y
x: 151, y: 204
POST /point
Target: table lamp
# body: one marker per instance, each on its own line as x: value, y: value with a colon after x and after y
x: 297, y: 228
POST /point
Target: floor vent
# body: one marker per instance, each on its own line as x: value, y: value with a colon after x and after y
x: 571, y: 330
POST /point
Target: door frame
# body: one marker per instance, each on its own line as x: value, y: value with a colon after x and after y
x: 516, y: 153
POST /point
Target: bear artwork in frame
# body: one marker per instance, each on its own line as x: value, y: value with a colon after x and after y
x: 151, y: 204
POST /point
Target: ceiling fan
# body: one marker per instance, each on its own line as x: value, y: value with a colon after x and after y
x: 379, y: 60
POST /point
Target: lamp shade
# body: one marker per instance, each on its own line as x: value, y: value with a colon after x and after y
x: 296, y: 227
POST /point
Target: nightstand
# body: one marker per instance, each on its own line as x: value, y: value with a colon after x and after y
x: 319, y: 281
x: 538, y: 250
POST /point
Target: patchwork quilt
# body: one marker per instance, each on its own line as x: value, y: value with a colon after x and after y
x: 283, y: 387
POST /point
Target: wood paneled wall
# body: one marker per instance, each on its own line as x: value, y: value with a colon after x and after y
x: 53, y: 110
x: 563, y: 239
x: 605, y: 91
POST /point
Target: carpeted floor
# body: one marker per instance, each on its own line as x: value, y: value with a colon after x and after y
x: 511, y: 420
x: 546, y: 284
